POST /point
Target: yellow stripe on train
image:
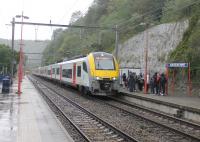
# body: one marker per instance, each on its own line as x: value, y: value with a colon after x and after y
x: 102, y: 73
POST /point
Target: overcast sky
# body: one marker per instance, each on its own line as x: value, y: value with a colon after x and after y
x: 58, y: 11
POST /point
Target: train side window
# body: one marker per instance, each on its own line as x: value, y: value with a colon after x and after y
x: 64, y: 73
x: 67, y: 73
x: 79, y: 71
x: 49, y: 72
x: 57, y: 71
x: 84, y: 67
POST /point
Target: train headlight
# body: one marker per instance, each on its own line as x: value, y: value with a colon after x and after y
x: 98, y: 78
x: 114, y: 78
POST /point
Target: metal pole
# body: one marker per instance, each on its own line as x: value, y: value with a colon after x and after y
x: 20, y: 70
x: 21, y: 45
x: 189, y: 80
x: 173, y: 80
x: 146, y: 60
x: 116, y: 42
x: 71, y: 26
x: 13, y: 39
x: 167, y: 77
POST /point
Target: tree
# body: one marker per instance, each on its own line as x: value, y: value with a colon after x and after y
x: 75, y: 16
x: 6, y: 57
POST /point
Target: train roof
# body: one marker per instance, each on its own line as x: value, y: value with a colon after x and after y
x: 74, y: 60
x: 77, y: 58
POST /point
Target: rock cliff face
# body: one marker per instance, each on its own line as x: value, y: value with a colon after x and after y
x: 159, y: 40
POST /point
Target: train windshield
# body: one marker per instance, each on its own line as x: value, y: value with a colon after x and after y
x: 104, y: 63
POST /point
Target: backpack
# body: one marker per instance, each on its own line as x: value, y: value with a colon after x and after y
x: 158, y: 78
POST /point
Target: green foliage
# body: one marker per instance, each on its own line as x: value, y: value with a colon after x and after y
x: 128, y: 15
x: 189, y: 49
x: 71, y: 42
x: 6, y: 57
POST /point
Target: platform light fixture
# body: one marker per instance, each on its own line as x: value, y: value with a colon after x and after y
x: 20, y: 68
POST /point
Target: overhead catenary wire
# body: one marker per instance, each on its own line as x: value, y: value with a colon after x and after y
x: 159, y: 16
x: 145, y: 15
x: 70, y: 9
x: 72, y: 26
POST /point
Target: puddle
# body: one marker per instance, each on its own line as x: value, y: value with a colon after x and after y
x: 8, y: 118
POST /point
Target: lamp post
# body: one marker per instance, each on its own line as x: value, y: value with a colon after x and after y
x: 145, y: 57
x: 20, y: 67
x: 146, y: 60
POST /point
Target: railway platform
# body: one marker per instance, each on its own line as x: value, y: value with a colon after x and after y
x: 27, y: 118
x: 183, y: 106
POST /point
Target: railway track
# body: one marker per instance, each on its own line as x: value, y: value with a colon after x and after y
x: 168, y: 127
x: 183, y: 127
x: 90, y: 127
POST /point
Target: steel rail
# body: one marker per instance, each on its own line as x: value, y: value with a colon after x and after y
x: 57, y: 107
x: 161, y: 114
x: 114, y: 129
x: 158, y: 123
x: 178, y: 120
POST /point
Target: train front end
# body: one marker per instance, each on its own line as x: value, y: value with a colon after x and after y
x: 104, y: 71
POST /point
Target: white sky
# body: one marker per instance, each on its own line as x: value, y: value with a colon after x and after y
x: 59, y: 11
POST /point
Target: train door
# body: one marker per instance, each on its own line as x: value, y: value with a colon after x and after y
x: 85, y: 75
x: 78, y: 74
x: 60, y: 72
x: 51, y: 73
x: 74, y: 74
x: 55, y: 72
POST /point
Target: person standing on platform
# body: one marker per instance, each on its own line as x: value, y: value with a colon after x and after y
x: 163, y: 81
x: 148, y: 82
x: 158, y: 84
x: 134, y: 81
x: 155, y: 83
x: 131, y: 82
x: 140, y: 82
x: 124, y: 80
x: 152, y: 86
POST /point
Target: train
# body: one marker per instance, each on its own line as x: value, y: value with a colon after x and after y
x: 95, y: 74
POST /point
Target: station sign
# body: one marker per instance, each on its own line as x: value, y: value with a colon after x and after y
x: 177, y: 65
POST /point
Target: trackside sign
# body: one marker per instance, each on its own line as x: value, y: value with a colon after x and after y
x: 177, y: 65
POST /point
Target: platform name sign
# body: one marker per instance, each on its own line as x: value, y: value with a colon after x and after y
x: 177, y: 65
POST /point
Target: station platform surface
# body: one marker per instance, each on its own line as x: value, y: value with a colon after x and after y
x: 27, y: 118
x: 187, y: 101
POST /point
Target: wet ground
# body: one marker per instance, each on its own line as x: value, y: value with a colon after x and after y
x: 8, y: 116
x: 27, y: 118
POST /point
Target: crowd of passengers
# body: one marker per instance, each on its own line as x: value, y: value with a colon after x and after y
x: 155, y: 84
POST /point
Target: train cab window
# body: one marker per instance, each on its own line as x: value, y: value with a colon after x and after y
x: 84, y: 67
x: 57, y: 71
x: 79, y: 71
x: 104, y: 61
